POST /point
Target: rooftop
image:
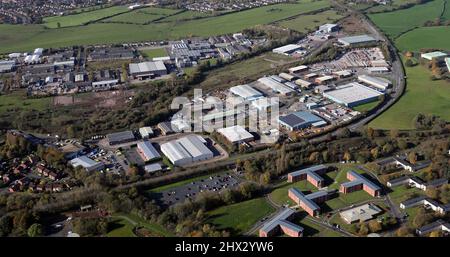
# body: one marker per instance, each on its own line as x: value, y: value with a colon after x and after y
x: 235, y: 134
x: 144, y: 67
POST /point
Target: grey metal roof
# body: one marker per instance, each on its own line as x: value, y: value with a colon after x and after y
x: 291, y: 225
x: 310, y: 169
x: 357, y: 39
x: 145, y: 67
x: 413, y: 201
x: 148, y: 150
x: 84, y: 162
x: 366, y: 181
x: 120, y: 136
x: 310, y: 203
x: 275, y: 221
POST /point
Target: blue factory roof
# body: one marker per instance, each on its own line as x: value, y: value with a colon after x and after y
x: 299, y: 119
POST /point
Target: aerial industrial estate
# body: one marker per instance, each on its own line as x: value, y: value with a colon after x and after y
x: 225, y: 118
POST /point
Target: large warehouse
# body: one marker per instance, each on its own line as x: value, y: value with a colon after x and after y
x: 357, y: 40
x: 247, y: 92
x: 187, y: 150
x: 146, y: 70
x: 300, y: 120
x: 353, y: 94
x: 287, y: 49
x: 236, y: 134
x: 379, y: 83
x: 275, y: 86
x: 120, y: 137
x: 147, y: 151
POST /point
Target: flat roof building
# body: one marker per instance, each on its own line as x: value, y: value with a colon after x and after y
x: 247, y: 92
x: 166, y: 128
x: 427, y: 202
x: 311, y: 174
x: 416, y: 182
x: 152, y: 168
x: 329, y: 28
x: 87, y: 163
x: 147, y: 69
x: 298, y: 69
x: 361, y: 213
x: 120, y: 137
x: 265, y: 103
x: 439, y: 225
x: 147, y: 151
x: 303, y: 83
x: 324, y: 79
x: 282, y: 223
x: 379, y: 83
x: 353, y: 94
x: 146, y: 132
x: 236, y: 134
x: 300, y: 120
x: 359, y: 182
x: 287, y: 49
x: 434, y: 55
x: 356, y: 40
x: 187, y: 150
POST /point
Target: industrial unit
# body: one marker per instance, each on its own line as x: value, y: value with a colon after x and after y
x: 146, y: 70
x: 300, y: 120
x: 146, y: 132
x: 147, y: 151
x: 236, y: 134
x: 437, y: 55
x: 353, y: 94
x: 187, y: 150
x: 247, y: 92
x: 282, y: 223
x: 264, y: 103
x: 357, y: 40
x: 298, y: 69
x: 287, y: 49
x: 329, y: 28
x: 359, y: 182
x: 87, y: 163
x: 276, y: 86
x: 379, y: 83
x: 120, y: 137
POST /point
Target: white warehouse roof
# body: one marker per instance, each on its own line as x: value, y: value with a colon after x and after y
x: 144, y: 67
x: 236, y: 134
x: 380, y: 83
x: 187, y: 150
x: 245, y: 91
x: 275, y: 86
x: 352, y: 94
x: 287, y: 49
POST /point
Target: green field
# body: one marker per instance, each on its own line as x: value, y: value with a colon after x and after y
x: 82, y: 18
x: 397, y: 22
x: 240, y: 217
x: 184, y: 16
x: 153, y: 53
x: 366, y: 107
x: 27, y: 37
x: 422, y: 96
x: 305, y: 23
x: 426, y: 37
x: 20, y: 101
x: 123, y: 227
x: 142, y: 16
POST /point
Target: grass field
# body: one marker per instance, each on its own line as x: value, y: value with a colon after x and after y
x: 152, y: 53
x: 305, y: 23
x: 184, y: 16
x: 27, y: 37
x: 427, y: 37
x: 18, y: 100
x: 397, y: 22
x: 82, y: 18
x: 366, y: 107
x: 123, y: 227
x: 240, y: 217
x: 313, y: 230
x: 142, y: 16
x: 422, y: 96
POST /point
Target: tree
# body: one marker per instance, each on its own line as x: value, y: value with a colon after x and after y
x: 363, y: 229
x: 375, y: 226
x: 35, y: 230
x: 412, y: 157
x: 347, y: 156
x: 404, y: 231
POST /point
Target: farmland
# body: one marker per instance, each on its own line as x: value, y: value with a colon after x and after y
x: 428, y: 37
x: 27, y: 37
x: 419, y: 84
x: 83, y: 17
x: 142, y: 16
x: 156, y: 52
x: 18, y: 100
x: 305, y: 23
x: 249, y: 213
x: 397, y: 22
